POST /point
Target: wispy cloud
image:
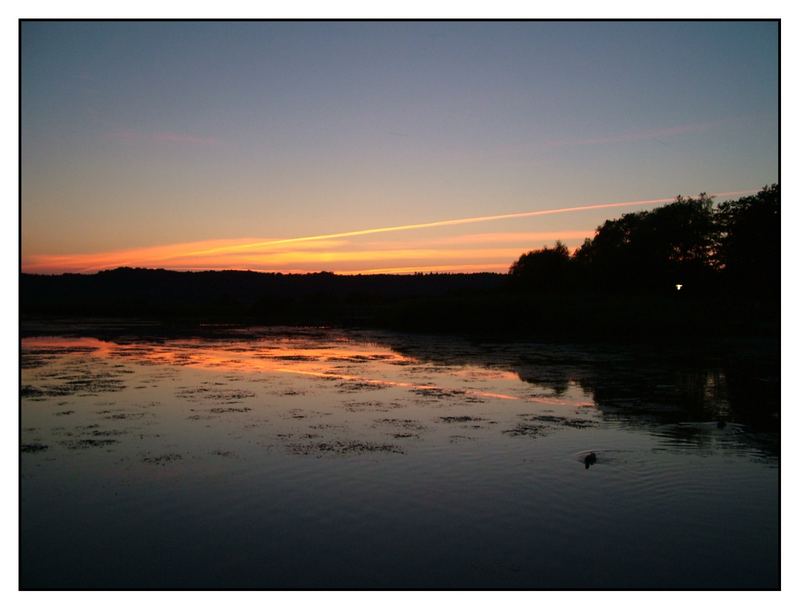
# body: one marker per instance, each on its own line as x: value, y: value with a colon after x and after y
x: 338, y: 252
x: 130, y: 135
x: 657, y: 134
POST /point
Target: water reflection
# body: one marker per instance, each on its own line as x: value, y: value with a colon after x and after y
x: 403, y: 461
x: 645, y: 387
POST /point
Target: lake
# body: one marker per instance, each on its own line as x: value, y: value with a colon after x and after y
x: 283, y: 458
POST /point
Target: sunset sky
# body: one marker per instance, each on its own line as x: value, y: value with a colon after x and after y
x: 376, y: 147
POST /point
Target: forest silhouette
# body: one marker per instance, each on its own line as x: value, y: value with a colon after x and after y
x: 703, y: 247
x: 693, y: 267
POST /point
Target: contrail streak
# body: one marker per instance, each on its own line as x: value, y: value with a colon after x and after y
x: 196, y: 255
x: 451, y: 222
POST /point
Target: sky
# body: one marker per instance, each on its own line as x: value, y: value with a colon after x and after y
x: 366, y: 147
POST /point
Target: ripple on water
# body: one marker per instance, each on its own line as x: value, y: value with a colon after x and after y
x: 433, y: 462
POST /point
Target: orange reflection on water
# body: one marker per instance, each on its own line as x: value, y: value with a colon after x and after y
x: 289, y: 356
x: 67, y: 345
x: 391, y: 383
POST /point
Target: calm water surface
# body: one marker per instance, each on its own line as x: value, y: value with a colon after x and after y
x: 309, y: 458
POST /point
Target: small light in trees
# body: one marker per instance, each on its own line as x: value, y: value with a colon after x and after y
x: 678, y: 286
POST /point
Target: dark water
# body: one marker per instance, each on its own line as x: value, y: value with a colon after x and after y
x: 275, y: 458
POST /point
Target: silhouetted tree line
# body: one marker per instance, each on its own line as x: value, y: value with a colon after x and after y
x: 618, y: 285
x: 704, y: 247
x: 309, y: 298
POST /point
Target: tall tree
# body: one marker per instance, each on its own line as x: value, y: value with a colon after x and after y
x: 749, y: 249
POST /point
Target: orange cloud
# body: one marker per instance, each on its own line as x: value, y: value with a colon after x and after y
x: 171, y: 255
x: 336, y: 251
x: 370, y: 260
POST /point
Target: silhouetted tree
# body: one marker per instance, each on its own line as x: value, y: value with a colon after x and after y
x: 749, y: 247
x: 652, y: 250
x: 547, y: 269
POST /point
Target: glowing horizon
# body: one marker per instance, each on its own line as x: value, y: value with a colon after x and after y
x: 337, y: 251
x: 374, y: 147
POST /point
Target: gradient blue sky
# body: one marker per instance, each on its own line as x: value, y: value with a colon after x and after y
x: 138, y: 136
